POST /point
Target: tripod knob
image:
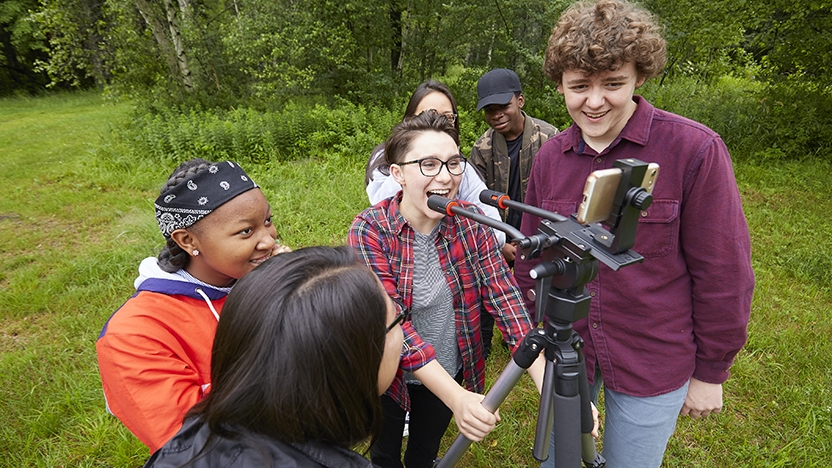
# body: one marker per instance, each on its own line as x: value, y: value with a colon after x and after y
x: 643, y: 199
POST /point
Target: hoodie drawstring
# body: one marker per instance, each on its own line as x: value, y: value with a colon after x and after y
x: 210, y: 305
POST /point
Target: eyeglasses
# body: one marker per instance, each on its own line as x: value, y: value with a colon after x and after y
x: 431, y: 166
x: 399, y: 319
x: 451, y: 117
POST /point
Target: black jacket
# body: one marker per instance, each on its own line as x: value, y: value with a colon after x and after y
x: 248, y: 451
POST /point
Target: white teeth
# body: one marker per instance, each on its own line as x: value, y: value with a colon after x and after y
x: 439, y: 192
x: 595, y: 116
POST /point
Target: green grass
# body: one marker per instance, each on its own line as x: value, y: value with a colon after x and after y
x: 75, y: 220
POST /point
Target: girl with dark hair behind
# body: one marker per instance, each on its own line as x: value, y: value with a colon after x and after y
x: 307, y: 343
x: 154, y: 351
x: 442, y: 272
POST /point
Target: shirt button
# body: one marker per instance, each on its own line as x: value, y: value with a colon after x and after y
x: 643, y: 214
x: 592, y: 293
x: 595, y: 325
x: 598, y: 160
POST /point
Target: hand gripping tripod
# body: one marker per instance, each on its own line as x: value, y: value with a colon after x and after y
x: 569, y: 254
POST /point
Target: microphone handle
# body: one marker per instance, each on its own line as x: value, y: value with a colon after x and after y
x: 451, y: 208
x: 502, y: 201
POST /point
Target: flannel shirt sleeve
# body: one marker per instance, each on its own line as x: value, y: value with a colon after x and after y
x: 370, y: 245
x: 500, y: 293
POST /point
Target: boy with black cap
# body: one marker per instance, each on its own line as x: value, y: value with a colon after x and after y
x: 505, y: 152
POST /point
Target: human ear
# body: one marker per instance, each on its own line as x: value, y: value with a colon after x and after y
x: 640, y: 81
x: 396, y: 174
x: 559, y: 87
x: 520, y: 101
x: 185, y: 240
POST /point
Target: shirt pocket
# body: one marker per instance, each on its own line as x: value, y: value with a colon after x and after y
x: 658, y: 229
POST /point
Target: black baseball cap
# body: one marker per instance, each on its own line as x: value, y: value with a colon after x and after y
x: 497, y: 87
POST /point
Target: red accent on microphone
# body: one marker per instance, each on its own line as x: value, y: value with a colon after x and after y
x: 501, y: 200
x: 449, y: 206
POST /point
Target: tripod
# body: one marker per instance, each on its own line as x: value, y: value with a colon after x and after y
x: 569, y: 254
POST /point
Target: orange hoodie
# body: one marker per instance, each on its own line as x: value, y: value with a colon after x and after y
x: 154, y: 355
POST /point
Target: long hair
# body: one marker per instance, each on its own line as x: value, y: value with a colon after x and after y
x: 172, y: 258
x: 596, y: 37
x: 404, y: 133
x: 297, y: 351
x: 428, y: 87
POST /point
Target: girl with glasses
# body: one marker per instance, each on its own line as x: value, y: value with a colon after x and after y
x: 440, y: 271
x: 307, y: 343
x: 429, y: 95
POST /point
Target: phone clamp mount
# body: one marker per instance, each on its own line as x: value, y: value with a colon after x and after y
x: 569, y: 253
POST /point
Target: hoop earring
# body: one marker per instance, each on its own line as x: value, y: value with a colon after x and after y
x: 195, y: 252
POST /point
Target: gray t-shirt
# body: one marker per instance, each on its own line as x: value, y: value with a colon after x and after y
x: 432, y: 309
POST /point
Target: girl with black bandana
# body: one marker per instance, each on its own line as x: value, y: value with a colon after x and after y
x: 154, y: 352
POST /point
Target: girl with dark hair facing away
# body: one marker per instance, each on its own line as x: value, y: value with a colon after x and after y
x: 434, y: 95
x: 154, y: 351
x: 440, y: 271
x: 307, y: 343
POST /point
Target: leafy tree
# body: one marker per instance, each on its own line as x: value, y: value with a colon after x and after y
x: 21, y: 47
x: 794, y: 39
x: 75, y: 33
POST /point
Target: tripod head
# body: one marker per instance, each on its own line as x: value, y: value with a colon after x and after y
x: 570, y: 251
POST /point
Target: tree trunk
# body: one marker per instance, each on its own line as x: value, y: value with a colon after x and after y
x: 178, y: 45
x: 174, y: 54
x: 158, y: 32
x: 397, y: 39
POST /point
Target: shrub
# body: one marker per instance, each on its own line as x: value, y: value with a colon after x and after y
x: 250, y: 136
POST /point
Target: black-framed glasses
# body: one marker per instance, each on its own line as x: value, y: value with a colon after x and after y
x: 432, y: 166
x: 399, y: 319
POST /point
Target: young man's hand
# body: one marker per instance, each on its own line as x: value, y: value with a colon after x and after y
x: 703, y: 399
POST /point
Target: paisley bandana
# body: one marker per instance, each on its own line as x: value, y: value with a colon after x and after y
x: 194, y: 198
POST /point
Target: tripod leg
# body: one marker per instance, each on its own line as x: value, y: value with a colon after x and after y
x: 523, y: 358
x: 545, y: 415
x: 498, y: 393
x: 592, y: 459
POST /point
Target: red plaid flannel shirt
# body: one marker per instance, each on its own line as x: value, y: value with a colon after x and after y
x: 476, y: 273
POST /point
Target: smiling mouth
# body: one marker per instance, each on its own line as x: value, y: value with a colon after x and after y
x: 597, y: 115
x: 258, y: 261
x: 441, y: 193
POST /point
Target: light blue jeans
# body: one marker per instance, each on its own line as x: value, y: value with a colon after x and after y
x: 636, y: 430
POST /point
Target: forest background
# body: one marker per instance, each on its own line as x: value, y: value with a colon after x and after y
x: 103, y: 98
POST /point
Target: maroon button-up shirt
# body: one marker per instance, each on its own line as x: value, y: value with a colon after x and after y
x: 684, y: 311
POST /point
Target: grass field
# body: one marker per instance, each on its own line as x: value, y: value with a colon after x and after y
x: 76, y: 219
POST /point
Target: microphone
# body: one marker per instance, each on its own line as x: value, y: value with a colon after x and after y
x: 452, y: 208
x: 441, y: 204
x: 502, y: 201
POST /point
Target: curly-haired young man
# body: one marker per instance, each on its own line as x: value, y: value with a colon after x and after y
x: 661, y: 335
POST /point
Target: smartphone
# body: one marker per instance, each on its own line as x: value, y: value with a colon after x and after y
x: 599, y: 193
x: 650, y: 177
x: 600, y: 189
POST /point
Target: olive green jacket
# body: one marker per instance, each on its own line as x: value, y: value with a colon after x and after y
x: 490, y: 155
